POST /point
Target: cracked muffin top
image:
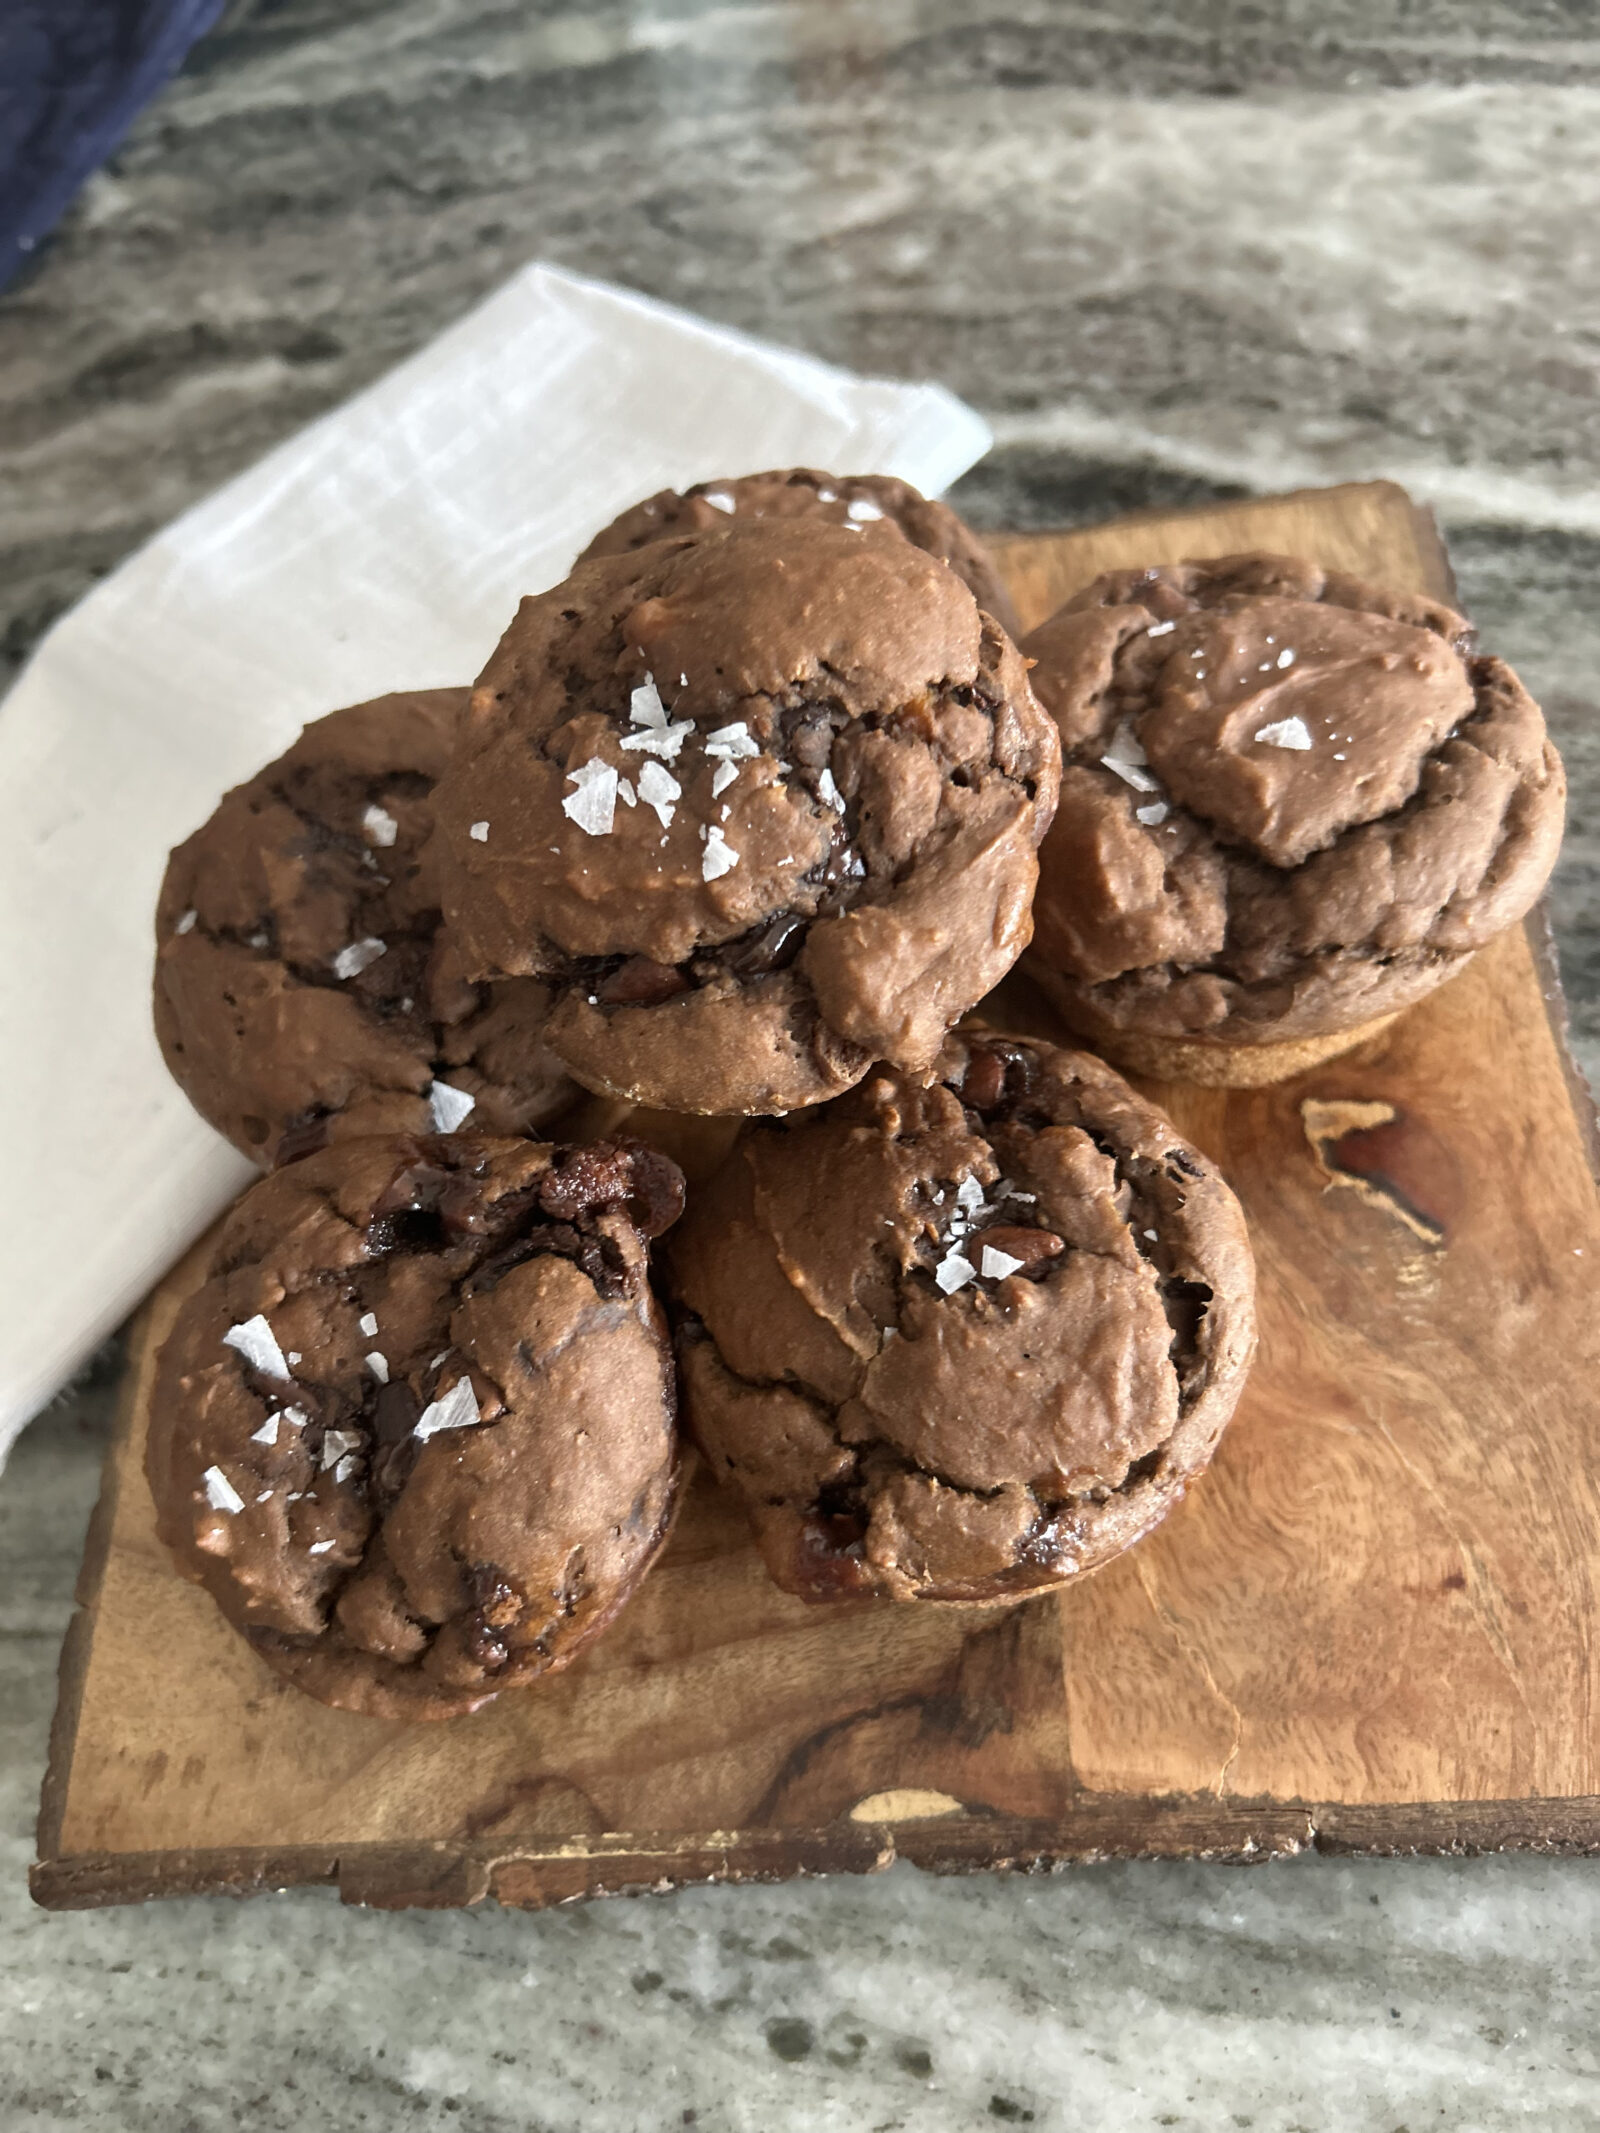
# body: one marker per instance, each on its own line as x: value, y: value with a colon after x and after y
x: 303, y: 991
x: 803, y: 492
x: 760, y: 806
x: 415, y: 1433
x: 965, y: 1340
x: 1290, y: 802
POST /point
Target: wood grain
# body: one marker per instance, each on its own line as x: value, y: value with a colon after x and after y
x: 1372, y: 1626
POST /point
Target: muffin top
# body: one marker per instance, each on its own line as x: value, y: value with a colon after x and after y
x: 1290, y: 800
x: 802, y: 492
x: 760, y: 806
x: 415, y: 1432
x: 967, y: 1339
x: 303, y: 991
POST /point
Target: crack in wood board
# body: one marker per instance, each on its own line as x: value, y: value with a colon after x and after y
x: 1333, y: 1127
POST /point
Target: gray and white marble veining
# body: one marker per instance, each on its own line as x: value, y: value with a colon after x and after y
x: 1309, y: 1996
x: 1172, y: 252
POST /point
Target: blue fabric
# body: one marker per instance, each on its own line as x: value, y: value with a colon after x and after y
x: 74, y: 75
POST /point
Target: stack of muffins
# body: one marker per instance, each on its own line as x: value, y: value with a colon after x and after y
x: 742, y: 822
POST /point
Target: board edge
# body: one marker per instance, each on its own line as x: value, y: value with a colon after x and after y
x: 1099, y: 1828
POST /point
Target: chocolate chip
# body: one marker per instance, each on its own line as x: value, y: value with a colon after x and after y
x: 1032, y: 1246
x: 612, y: 1173
x: 641, y: 983
x: 1185, y: 1303
x: 984, y: 1083
x: 496, y: 1596
x: 774, y: 947
x: 657, y: 1198
x: 394, y: 1412
x: 394, y: 1454
x: 302, y: 1136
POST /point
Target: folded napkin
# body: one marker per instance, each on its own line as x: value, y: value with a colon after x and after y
x: 385, y: 547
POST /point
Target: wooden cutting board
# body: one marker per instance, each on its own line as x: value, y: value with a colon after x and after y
x: 1371, y: 1627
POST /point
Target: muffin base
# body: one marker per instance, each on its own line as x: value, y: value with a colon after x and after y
x: 1199, y: 1061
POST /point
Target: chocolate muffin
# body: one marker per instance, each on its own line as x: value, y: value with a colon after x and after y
x: 1291, y: 804
x: 967, y: 1340
x: 760, y: 807
x: 850, y: 500
x: 303, y: 989
x: 415, y: 1433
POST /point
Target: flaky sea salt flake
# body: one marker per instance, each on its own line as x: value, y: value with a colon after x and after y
x: 220, y: 1491
x: 186, y: 924
x: 1286, y: 733
x: 720, y: 500
x: 380, y: 825
x: 722, y: 778
x: 378, y: 1364
x: 320, y: 1548
x: 1286, y: 658
x: 1156, y: 812
x: 351, y: 961
x: 1127, y: 758
x: 733, y: 744
x: 368, y: 1322
x: 267, y: 1433
x: 478, y: 832
x: 594, y: 805
x: 1130, y: 773
x: 1161, y: 629
x: 256, y: 1342
x: 645, y: 707
x: 954, y: 1272
x: 719, y: 857
x: 969, y: 1196
x: 626, y: 793
x: 448, y: 1107
x: 659, y: 789
x: 829, y: 794
x: 863, y: 510
x: 664, y: 741
x: 458, y: 1409
x: 338, y: 1444
x: 995, y: 1266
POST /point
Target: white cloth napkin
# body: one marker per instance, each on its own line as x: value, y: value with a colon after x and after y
x: 385, y: 547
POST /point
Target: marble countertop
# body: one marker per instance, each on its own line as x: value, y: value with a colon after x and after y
x: 1171, y: 254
